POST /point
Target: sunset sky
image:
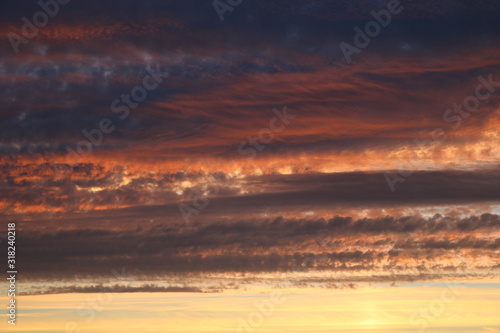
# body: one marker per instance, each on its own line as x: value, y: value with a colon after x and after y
x: 233, y: 166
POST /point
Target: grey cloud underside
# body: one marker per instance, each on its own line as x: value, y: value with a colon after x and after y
x: 278, y: 245
x: 116, y: 288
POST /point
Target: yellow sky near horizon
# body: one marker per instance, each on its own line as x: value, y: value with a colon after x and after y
x: 472, y: 307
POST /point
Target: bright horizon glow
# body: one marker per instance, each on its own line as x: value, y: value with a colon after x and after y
x: 370, y: 309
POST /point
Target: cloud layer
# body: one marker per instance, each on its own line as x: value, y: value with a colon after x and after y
x: 205, y: 175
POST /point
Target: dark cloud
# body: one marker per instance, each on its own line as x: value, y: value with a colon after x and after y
x: 147, y: 288
x: 298, y: 192
x: 279, y: 245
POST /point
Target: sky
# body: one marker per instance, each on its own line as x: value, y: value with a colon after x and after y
x: 251, y: 166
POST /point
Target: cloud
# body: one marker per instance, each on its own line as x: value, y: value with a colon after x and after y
x: 119, y: 205
x: 435, y: 245
x: 147, y: 288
